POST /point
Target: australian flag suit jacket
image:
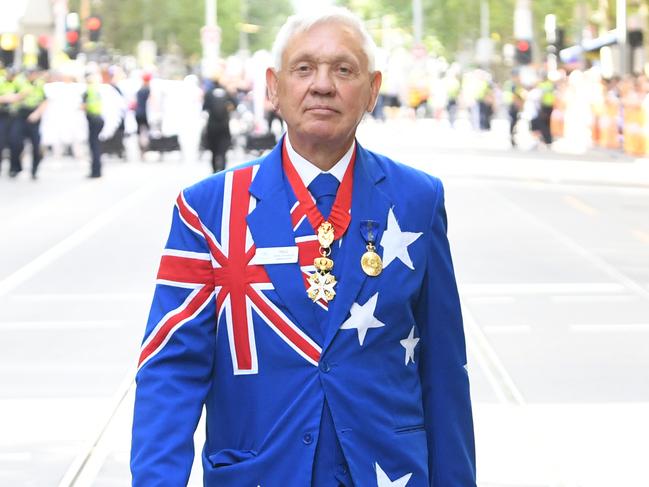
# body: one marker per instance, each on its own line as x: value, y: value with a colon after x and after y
x: 242, y: 339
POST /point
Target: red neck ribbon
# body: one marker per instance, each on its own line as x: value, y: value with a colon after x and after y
x: 339, y: 216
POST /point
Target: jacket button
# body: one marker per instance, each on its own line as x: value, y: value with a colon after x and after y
x: 307, y: 438
x: 325, y: 367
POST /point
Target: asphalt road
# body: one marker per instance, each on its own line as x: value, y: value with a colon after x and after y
x: 552, y: 259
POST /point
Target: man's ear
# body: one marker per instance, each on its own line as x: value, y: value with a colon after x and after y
x: 271, y: 87
x: 375, y: 86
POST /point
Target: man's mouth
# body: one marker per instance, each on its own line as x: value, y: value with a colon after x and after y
x: 322, y: 109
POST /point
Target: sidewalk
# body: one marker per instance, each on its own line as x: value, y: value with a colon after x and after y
x: 489, y: 155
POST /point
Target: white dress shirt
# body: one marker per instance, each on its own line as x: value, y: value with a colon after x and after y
x: 308, y: 171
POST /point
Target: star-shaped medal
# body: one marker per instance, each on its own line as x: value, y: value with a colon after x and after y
x: 395, y: 243
x: 362, y: 318
x: 409, y: 344
x: 384, y: 481
x: 321, y: 286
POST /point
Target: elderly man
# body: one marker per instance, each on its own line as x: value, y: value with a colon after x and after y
x: 307, y: 300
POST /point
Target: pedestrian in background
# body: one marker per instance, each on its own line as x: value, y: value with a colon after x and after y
x: 319, y: 361
x: 513, y: 97
x: 218, y: 104
x: 141, y: 114
x: 92, y: 105
x: 546, y: 88
x: 453, y: 89
x: 7, y: 90
x: 28, y: 106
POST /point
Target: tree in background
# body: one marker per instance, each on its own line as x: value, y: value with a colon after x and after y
x: 178, y: 22
x: 455, y: 24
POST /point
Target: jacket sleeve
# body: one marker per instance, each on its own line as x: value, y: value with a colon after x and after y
x: 442, y: 367
x: 176, y: 358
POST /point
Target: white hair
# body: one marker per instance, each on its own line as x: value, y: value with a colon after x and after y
x: 299, y: 23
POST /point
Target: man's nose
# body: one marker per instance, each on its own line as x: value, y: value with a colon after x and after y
x: 323, y: 83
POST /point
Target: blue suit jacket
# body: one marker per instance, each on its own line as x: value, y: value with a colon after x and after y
x: 401, y: 418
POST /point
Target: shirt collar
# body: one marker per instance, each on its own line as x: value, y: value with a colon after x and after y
x: 308, y: 171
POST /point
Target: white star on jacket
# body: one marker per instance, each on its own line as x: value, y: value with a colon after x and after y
x: 409, y: 344
x: 395, y: 243
x: 384, y: 481
x: 362, y: 318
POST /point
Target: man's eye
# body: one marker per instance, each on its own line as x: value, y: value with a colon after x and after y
x: 303, y: 68
x: 345, y: 70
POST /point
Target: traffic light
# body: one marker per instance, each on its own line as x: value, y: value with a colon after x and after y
x: 93, y: 24
x: 72, y: 35
x: 72, y: 40
x: 523, y: 52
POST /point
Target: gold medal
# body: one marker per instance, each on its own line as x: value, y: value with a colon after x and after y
x: 323, y: 264
x: 371, y: 262
x: 322, y: 281
x: 326, y: 234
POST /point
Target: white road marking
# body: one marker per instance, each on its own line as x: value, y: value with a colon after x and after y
x: 84, y: 468
x: 610, y: 328
x: 491, y: 299
x: 44, y: 368
x: 16, y: 457
x: 76, y: 297
x: 523, y: 288
x: 586, y: 254
x: 74, y: 240
x: 493, y: 368
x: 621, y: 298
x: 50, y: 206
x: 580, y: 205
x: 507, y: 329
x: 60, y: 325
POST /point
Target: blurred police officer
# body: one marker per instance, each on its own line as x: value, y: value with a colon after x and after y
x: 92, y: 107
x: 7, y: 91
x: 513, y: 96
x: 545, y: 112
x: 28, y: 107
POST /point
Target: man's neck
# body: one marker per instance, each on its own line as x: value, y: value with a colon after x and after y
x: 322, y: 155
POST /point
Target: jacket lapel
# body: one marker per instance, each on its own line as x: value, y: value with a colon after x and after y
x: 270, y: 226
x: 368, y: 203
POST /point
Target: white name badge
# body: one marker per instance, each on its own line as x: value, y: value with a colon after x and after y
x: 275, y: 255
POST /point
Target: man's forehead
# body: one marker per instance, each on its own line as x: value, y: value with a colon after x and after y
x: 315, y: 42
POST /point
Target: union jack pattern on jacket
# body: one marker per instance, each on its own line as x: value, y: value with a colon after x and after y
x: 244, y: 343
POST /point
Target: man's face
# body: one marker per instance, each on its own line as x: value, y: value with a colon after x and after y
x: 324, y: 86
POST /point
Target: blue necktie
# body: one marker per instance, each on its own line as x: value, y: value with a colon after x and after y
x: 323, y: 188
x: 329, y: 462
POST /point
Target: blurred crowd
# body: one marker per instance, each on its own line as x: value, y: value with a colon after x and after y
x: 92, y: 113
x: 571, y: 109
x: 95, y: 113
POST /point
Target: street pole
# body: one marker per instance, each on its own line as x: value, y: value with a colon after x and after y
x: 417, y: 20
x: 484, y: 19
x: 210, y: 13
x: 211, y: 39
x: 243, y: 35
x: 523, y: 20
x: 84, y: 13
x: 60, y: 9
x: 621, y: 31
